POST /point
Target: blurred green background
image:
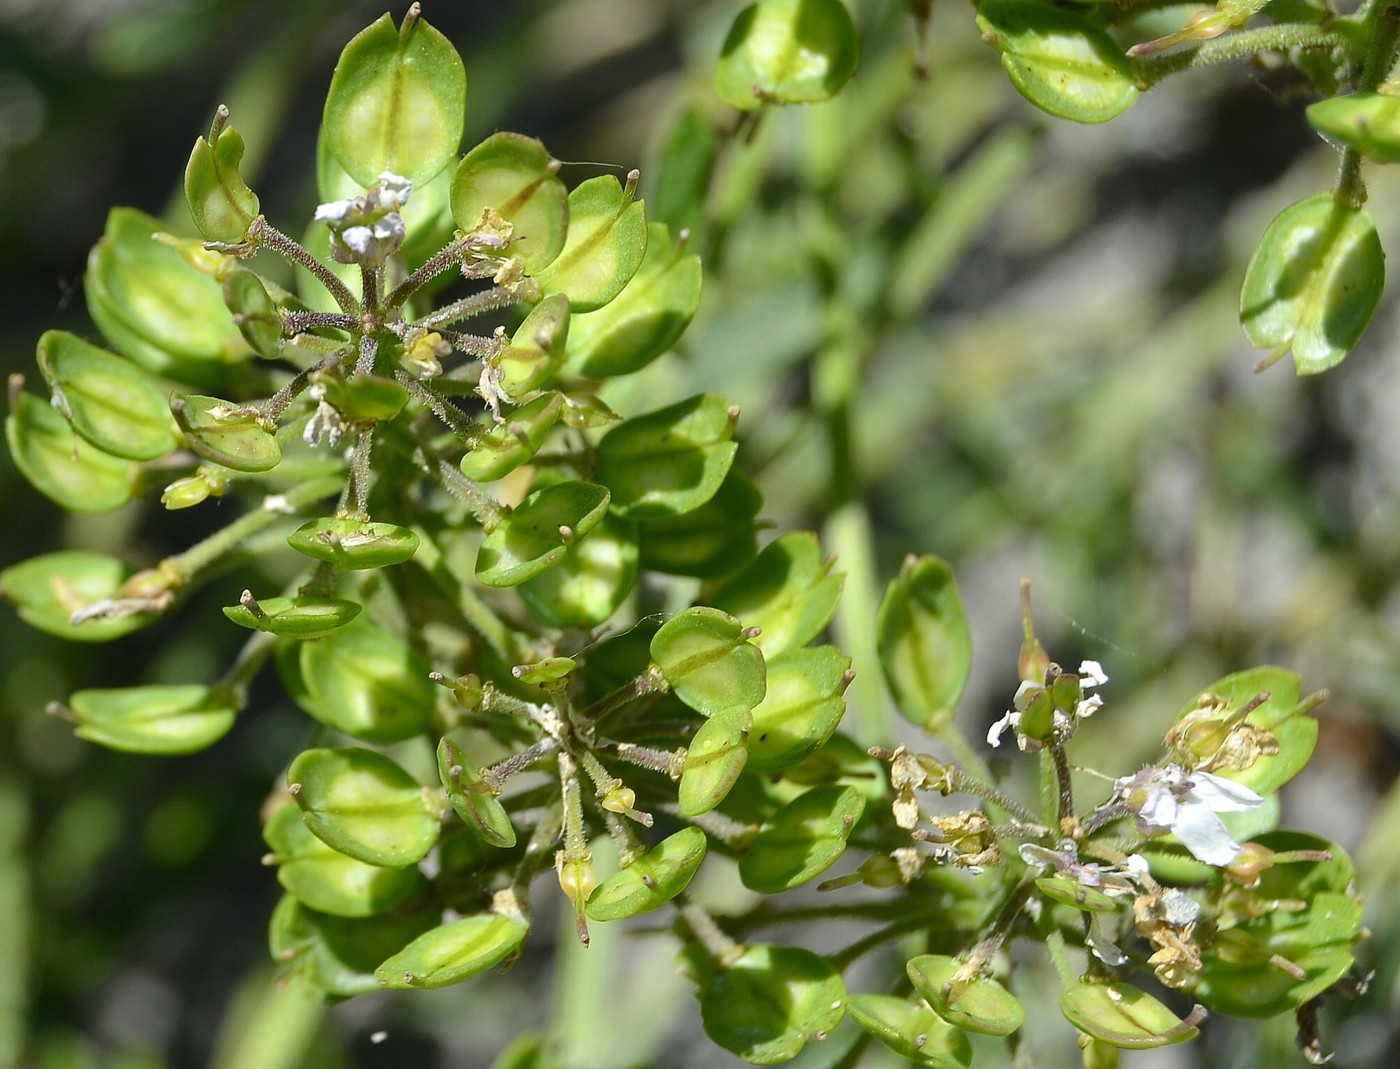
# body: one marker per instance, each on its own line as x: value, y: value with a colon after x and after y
x: 955, y: 326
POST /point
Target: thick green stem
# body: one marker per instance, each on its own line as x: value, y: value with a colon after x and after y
x: 1382, y: 23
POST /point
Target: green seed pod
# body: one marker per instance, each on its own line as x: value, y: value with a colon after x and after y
x: 158, y: 309
x: 363, y: 398
x: 1059, y: 60
x: 472, y: 797
x: 365, y: 682
x: 364, y: 805
x: 1210, y: 728
x: 225, y: 433
x: 48, y: 589
x: 221, y: 203
x: 687, y: 164
x: 1122, y: 1015
x: 708, y: 660
x: 302, y: 618
x: 645, y: 319
x: 924, y: 643
x: 787, y: 52
x: 1366, y: 122
x: 162, y: 719
x: 912, y: 1031
x: 536, y: 349
x: 802, y: 840
x: 338, y: 955
x: 58, y: 463
x: 1313, y: 283
x: 354, y: 544
x: 714, y: 759
x: 1070, y: 892
x: 326, y: 880
x: 112, y: 404
x: 516, y: 177
x: 538, y: 534
x: 587, y: 411
x: 397, y: 102
x: 770, y: 1003
x: 590, y: 584
x: 454, y: 952
x: 710, y: 542
x: 507, y: 445
x: 979, y: 1004
x: 651, y: 880
x: 606, y: 242
x: 1239, y: 975
x: 787, y: 591
x: 670, y: 461
x: 255, y: 313
x: 801, y: 708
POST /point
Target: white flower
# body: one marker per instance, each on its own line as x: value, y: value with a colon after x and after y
x: 368, y: 230
x: 1186, y: 804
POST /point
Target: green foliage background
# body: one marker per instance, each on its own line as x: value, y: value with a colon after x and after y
x: 954, y: 326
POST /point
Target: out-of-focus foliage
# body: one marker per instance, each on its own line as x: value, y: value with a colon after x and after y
x: 953, y: 326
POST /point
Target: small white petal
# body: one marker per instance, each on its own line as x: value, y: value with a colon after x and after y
x: 1091, y: 674
x: 1137, y: 865
x: 1103, y: 947
x: 997, y: 730
x: 1032, y: 854
x: 1160, y: 809
x: 336, y: 211
x: 1088, y: 706
x: 394, y: 190
x: 1202, y: 832
x: 1222, y: 795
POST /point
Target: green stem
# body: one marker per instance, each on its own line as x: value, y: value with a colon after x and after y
x: 484, y: 508
x: 461, y: 424
x: 444, y: 259
x: 649, y: 682
x: 1381, y: 22
x: 842, y: 959
x: 722, y: 950
x: 16, y: 942
x: 246, y: 665
x: 1245, y: 44
x: 261, y: 232
x: 1059, y: 957
x: 473, y: 305
x: 184, y: 566
x: 1001, y: 926
x: 1062, y: 779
